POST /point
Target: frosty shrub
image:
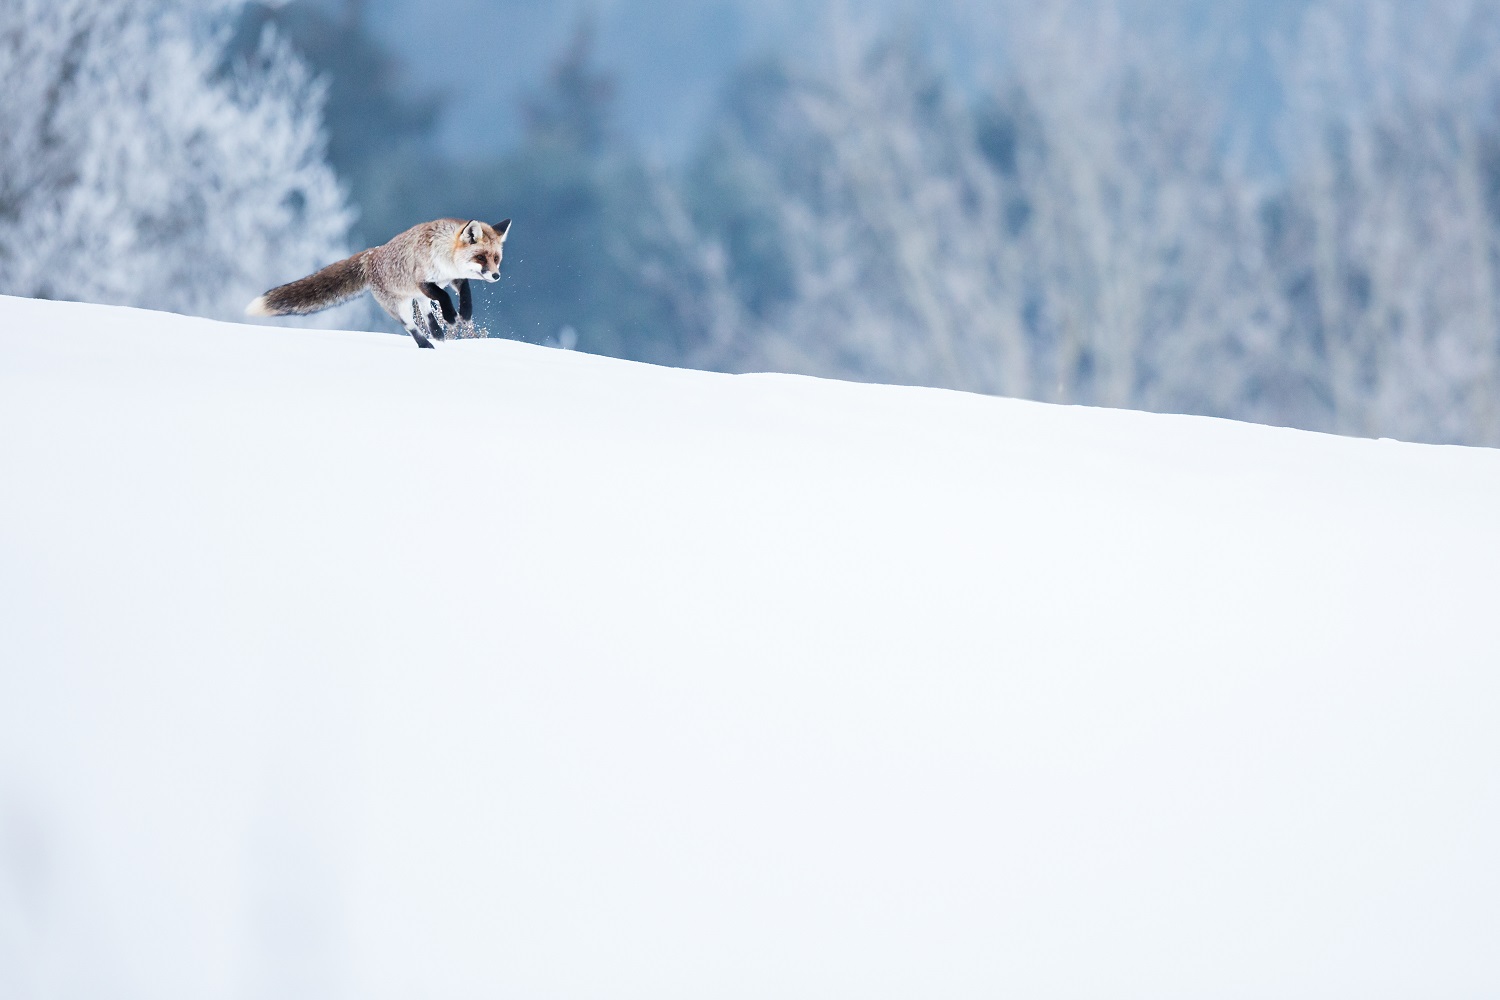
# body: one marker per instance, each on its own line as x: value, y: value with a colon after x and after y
x: 137, y: 169
x: 1076, y: 238
x: 1389, y: 230
x: 1088, y: 231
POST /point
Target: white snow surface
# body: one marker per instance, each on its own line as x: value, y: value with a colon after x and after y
x: 332, y: 668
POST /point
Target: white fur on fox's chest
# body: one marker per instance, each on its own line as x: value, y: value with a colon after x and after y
x: 443, y: 267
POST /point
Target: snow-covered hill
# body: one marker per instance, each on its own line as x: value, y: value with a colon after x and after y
x: 334, y: 668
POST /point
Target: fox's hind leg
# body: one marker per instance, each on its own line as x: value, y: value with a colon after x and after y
x: 439, y: 303
x: 405, y: 311
x: 440, y: 300
x: 438, y: 330
x: 413, y: 317
x: 416, y: 335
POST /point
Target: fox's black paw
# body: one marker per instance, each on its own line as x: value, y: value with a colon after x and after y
x: 465, y: 300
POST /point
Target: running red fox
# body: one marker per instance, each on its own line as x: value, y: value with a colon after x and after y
x: 407, y: 276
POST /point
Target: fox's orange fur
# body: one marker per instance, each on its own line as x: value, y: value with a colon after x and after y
x: 407, y: 276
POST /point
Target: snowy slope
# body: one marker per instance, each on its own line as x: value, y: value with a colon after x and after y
x: 334, y: 668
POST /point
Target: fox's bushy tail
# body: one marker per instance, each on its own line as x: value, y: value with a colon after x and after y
x: 327, y: 288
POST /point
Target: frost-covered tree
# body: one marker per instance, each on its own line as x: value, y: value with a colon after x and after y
x: 137, y: 169
x: 380, y: 121
x: 609, y: 262
x: 1081, y: 238
x: 877, y: 229
x: 1150, y: 285
x: 898, y: 233
x: 1389, y: 231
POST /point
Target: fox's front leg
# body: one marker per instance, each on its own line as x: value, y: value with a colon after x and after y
x: 465, y: 300
x: 440, y: 297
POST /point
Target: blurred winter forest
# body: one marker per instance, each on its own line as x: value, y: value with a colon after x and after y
x: 1284, y: 211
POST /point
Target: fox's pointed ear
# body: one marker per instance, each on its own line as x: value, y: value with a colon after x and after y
x: 473, y: 232
x: 502, y: 228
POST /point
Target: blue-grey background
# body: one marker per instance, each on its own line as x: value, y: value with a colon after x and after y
x: 1285, y: 211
